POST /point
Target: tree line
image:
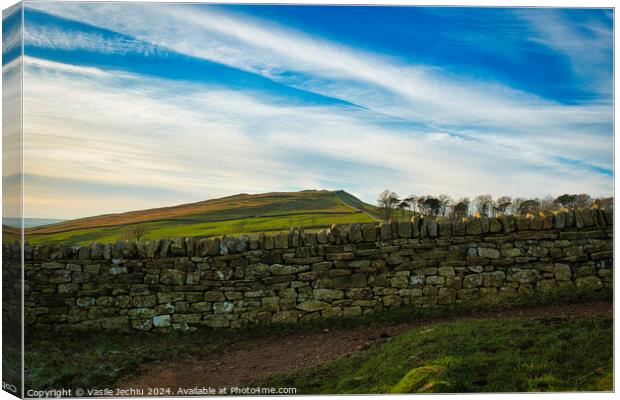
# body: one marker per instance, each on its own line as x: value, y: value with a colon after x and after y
x: 393, y: 207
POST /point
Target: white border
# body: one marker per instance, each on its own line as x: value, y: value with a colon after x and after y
x: 523, y: 3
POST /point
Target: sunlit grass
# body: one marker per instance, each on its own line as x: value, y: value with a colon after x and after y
x: 183, y: 228
x: 242, y: 214
x: 517, y: 355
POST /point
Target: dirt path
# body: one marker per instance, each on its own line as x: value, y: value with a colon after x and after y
x: 299, y: 350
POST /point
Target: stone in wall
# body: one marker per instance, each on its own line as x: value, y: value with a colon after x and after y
x: 343, y: 271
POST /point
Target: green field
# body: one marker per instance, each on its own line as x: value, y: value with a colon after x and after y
x: 492, y: 355
x: 242, y: 214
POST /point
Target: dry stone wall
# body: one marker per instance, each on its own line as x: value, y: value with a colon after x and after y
x: 344, y: 271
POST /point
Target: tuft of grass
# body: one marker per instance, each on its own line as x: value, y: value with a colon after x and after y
x: 507, y: 355
x: 420, y: 380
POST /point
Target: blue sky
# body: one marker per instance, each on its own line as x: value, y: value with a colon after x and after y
x: 132, y: 106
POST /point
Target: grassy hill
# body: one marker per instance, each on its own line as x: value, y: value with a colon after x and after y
x: 239, y: 214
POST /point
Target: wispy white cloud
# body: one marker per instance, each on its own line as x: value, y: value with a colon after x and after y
x: 56, y: 38
x: 11, y: 37
x: 420, y: 93
x: 423, y: 93
x: 11, y: 40
x: 110, y: 126
x: 586, y: 42
x: 107, y: 128
x: 11, y: 137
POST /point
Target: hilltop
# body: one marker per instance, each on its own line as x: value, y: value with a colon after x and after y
x: 238, y: 214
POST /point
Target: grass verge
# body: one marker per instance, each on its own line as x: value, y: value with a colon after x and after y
x: 507, y: 355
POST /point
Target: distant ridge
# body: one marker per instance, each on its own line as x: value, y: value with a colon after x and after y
x: 248, y: 212
x: 356, y: 203
x: 30, y: 222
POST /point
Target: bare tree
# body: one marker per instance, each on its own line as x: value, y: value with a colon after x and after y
x: 461, y: 208
x: 420, y: 202
x: 547, y: 202
x: 502, y: 204
x: 583, y: 201
x: 411, y: 202
x: 402, y: 206
x: 529, y: 206
x: 516, y: 204
x: 604, y: 203
x: 386, y: 202
x: 445, y: 202
x: 567, y: 201
x: 484, y: 204
x: 432, y: 205
x: 136, y: 232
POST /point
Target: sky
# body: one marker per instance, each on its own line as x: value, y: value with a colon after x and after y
x: 131, y: 106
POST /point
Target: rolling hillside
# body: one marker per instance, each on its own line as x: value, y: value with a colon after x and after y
x: 239, y: 214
